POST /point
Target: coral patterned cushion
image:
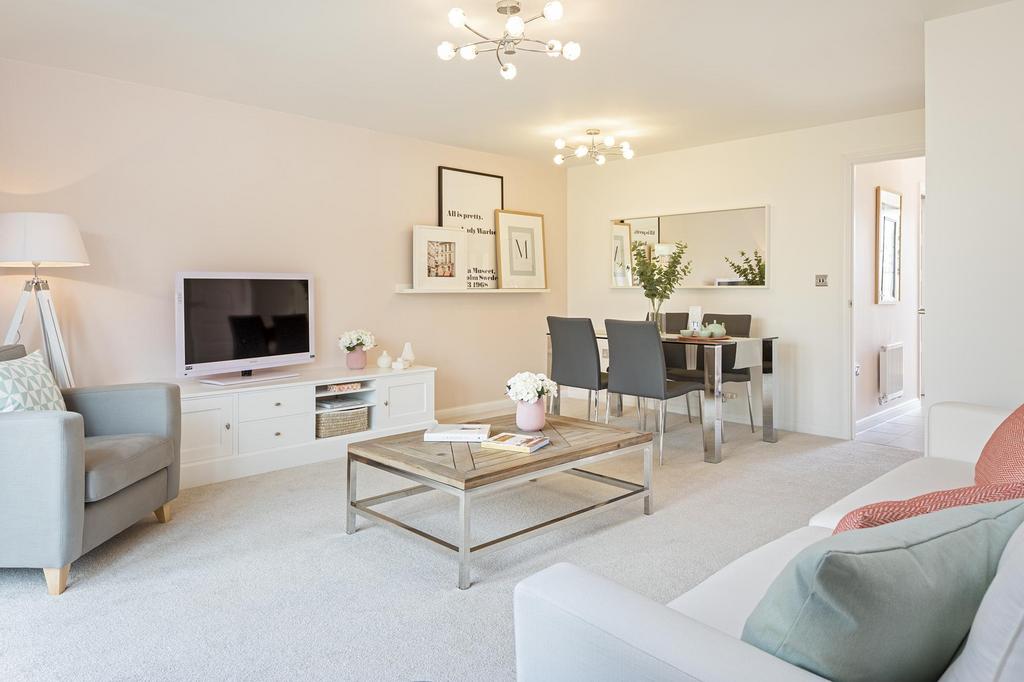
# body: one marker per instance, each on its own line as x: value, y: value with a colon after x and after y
x: 881, y: 513
x: 1002, y: 460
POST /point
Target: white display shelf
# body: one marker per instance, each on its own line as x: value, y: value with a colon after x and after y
x: 405, y: 289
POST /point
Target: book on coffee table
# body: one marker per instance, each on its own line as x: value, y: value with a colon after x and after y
x: 457, y: 433
x: 515, y: 442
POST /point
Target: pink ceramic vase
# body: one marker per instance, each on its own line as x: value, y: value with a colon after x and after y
x: 530, y: 416
x: 356, y: 359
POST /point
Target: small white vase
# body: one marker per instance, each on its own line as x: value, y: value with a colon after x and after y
x: 407, y: 354
x: 384, y: 361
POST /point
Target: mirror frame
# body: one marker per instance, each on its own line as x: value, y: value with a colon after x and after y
x: 767, y: 240
x: 883, y: 297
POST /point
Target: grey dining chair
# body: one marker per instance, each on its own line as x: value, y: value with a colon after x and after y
x: 636, y: 367
x: 575, y: 360
x: 735, y: 325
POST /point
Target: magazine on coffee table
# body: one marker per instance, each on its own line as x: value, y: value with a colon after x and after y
x: 515, y: 442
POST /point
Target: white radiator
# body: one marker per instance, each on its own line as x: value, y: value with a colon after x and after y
x: 890, y: 373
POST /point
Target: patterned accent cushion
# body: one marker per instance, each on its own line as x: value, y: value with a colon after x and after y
x: 1002, y: 459
x: 27, y: 384
x: 881, y: 513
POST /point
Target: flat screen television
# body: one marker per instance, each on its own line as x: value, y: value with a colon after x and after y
x: 235, y: 322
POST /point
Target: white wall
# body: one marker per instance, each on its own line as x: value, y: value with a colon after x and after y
x: 974, y: 242
x: 805, y: 177
x: 877, y: 325
x: 162, y: 181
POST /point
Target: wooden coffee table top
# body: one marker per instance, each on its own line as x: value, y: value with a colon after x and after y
x: 467, y: 465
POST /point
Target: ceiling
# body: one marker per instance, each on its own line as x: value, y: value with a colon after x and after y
x: 667, y: 73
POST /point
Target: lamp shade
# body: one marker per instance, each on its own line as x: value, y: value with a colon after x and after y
x: 47, y: 239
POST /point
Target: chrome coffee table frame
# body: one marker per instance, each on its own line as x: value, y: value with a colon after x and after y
x: 463, y: 548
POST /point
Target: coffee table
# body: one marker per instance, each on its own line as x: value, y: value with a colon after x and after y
x: 468, y: 471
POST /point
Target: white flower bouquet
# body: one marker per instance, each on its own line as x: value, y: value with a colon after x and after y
x: 528, y: 387
x: 351, y: 340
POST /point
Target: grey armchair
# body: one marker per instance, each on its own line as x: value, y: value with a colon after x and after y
x: 70, y: 481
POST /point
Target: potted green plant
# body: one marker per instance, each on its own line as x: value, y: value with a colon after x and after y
x: 659, y: 275
x: 750, y: 268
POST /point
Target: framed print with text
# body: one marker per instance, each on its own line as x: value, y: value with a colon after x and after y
x: 522, y: 261
x: 467, y: 200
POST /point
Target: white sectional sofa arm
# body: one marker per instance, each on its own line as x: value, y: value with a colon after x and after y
x: 960, y: 430
x: 573, y: 625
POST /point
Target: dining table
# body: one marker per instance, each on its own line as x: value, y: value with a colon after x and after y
x: 758, y: 354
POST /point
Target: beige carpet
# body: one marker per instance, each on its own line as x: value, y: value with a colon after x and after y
x: 256, y: 579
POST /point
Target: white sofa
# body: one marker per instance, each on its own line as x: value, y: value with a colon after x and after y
x: 573, y: 625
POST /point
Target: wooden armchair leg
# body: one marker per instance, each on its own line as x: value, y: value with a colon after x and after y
x: 56, y: 579
x: 163, y: 513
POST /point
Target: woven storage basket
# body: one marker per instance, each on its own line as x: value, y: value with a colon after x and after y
x: 329, y: 424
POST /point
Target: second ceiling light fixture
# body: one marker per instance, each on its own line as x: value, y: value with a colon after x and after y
x: 513, y: 39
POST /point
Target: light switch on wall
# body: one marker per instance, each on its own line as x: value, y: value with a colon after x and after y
x: 821, y: 280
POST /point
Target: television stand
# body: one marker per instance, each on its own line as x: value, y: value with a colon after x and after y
x: 246, y: 377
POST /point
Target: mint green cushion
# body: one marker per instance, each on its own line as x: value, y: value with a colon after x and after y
x: 888, y: 603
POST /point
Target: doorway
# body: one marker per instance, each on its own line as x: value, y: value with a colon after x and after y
x: 887, y: 302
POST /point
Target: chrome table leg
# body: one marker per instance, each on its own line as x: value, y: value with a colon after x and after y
x: 712, y: 417
x: 769, y: 356
x: 648, y: 475
x: 464, y: 541
x: 350, y: 497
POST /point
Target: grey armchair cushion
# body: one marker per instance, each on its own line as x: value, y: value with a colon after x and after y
x: 113, y: 463
x: 11, y: 353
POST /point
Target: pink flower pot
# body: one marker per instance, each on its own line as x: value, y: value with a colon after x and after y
x: 356, y: 359
x: 530, y: 416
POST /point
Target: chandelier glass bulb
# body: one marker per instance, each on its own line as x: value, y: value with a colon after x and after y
x: 609, y: 141
x: 559, y: 143
x: 625, y: 145
x: 581, y: 151
x: 554, y: 48
x: 571, y: 50
x: 446, y: 51
x: 468, y: 52
x: 600, y: 159
x: 627, y: 153
x: 515, y: 26
x: 456, y: 17
x: 508, y: 71
x: 559, y: 159
x: 553, y: 10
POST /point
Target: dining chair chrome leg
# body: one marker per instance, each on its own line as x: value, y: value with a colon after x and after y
x: 689, y: 415
x: 703, y: 433
x: 590, y: 404
x: 597, y: 405
x: 639, y: 414
x: 556, y: 402
x: 661, y: 434
x: 750, y: 406
x: 607, y: 406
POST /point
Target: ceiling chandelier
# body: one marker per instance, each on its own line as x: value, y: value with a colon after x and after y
x: 513, y: 39
x: 598, y: 150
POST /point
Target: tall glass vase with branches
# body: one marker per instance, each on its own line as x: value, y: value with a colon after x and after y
x: 659, y: 275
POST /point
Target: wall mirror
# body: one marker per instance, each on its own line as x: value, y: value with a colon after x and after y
x: 727, y: 248
x: 888, y: 243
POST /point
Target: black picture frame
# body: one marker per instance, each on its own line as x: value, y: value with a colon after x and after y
x: 440, y: 187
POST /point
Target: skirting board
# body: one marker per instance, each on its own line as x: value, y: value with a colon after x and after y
x: 196, y: 474
x: 885, y: 415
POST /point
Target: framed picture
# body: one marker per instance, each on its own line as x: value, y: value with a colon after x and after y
x: 439, y: 258
x: 522, y: 261
x: 621, y: 255
x: 645, y: 231
x: 467, y: 200
x: 889, y: 245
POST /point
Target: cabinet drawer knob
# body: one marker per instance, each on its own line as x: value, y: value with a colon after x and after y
x: 227, y: 427
x: 278, y: 433
x: 277, y: 404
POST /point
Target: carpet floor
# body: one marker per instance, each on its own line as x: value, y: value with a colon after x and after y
x: 256, y: 579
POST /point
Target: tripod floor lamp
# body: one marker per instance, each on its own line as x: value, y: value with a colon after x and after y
x: 34, y: 240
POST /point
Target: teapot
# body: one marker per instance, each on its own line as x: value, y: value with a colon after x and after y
x: 717, y: 329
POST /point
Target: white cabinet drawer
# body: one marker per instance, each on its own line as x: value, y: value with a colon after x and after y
x: 276, y: 403
x: 280, y: 432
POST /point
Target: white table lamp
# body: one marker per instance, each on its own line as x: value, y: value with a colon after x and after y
x: 34, y: 240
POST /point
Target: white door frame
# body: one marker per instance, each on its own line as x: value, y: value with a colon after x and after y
x: 850, y: 161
